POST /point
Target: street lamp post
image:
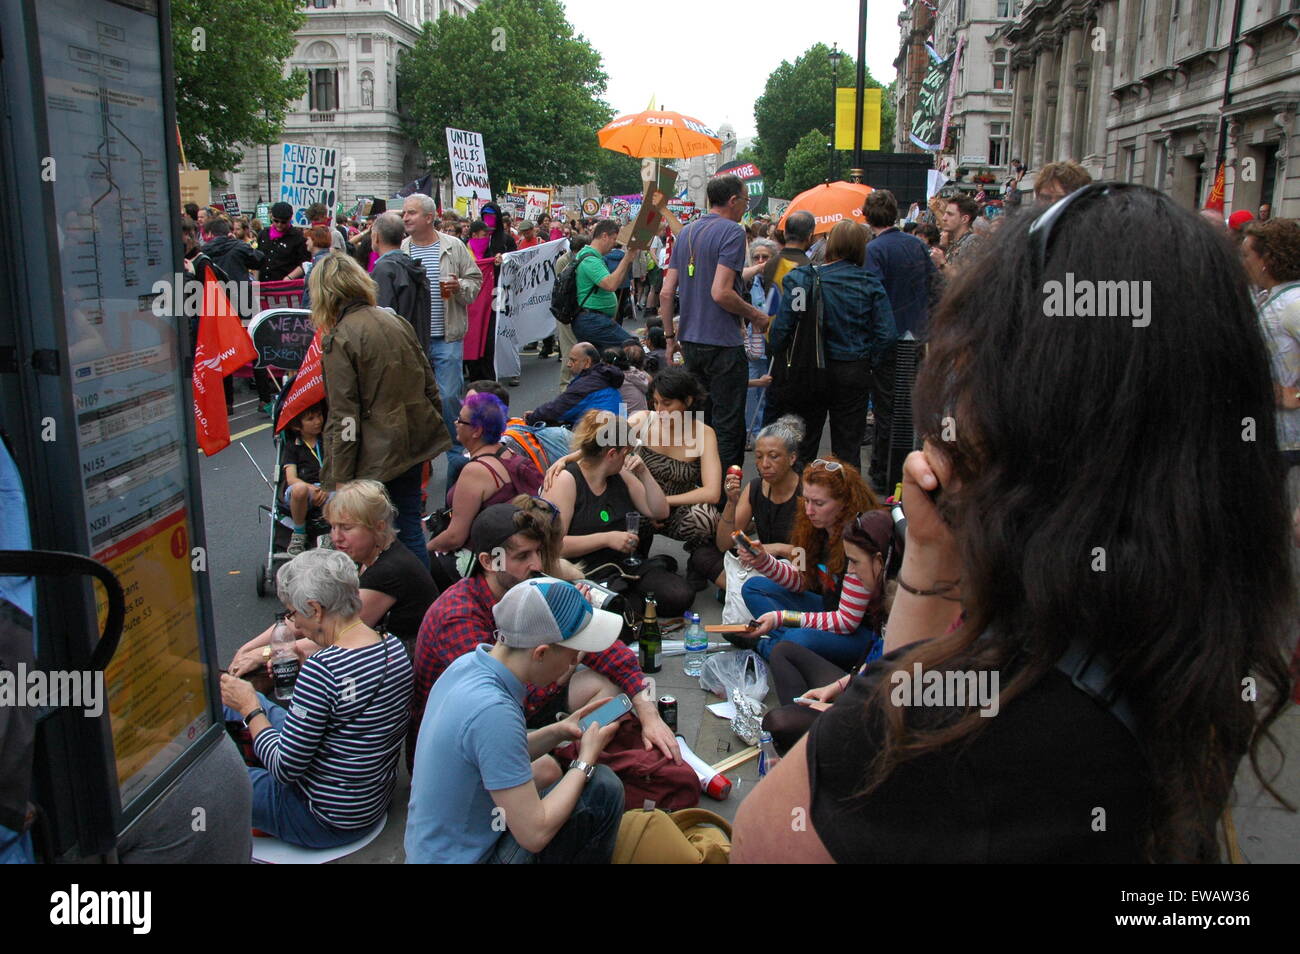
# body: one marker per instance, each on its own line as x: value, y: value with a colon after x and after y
x: 835, y: 57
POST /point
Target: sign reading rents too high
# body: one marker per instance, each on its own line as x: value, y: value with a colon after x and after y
x: 308, y: 174
x: 469, y: 173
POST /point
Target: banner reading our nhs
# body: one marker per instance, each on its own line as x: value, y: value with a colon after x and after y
x: 523, y: 301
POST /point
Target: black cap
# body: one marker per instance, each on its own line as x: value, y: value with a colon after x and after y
x: 492, y: 527
x: 282, y: 210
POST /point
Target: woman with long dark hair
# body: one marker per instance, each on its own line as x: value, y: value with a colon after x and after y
x: 1080, y: 554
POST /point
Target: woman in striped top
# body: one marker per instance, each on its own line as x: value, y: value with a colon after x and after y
x: 817, y: 598
x: 330, y: 758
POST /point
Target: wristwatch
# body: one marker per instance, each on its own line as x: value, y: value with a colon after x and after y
x: 586, y: 768
x: 259, y: 711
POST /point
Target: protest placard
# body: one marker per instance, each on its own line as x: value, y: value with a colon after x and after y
x: 231, y: 201
x: 469, y: 172
x: 523, y: 301
x: 308, y: 174
x: 195, y: 187
x: 281, y: 337
x: 537, y: 202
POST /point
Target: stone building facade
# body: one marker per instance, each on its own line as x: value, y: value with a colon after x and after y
x: 350, y: 50
x: 979, y: 133
x: 1137, y: 90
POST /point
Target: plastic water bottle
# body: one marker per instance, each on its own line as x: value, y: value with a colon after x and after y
x: 767, y: 757
x: 697, y: 645
x: 284, y: 661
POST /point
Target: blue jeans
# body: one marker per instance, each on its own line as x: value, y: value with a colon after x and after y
x: 446, y: 357
x: 600, y: 329
x: 753, y: 419
x: 404, y: 491
x: 16, y: 849
x: 280, y: 809
x: 587, y: 838
x: 762, y: 595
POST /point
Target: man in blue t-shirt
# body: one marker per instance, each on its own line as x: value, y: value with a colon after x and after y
x: 597, y: 286
x: 704, y: 270
x: 478, y: 770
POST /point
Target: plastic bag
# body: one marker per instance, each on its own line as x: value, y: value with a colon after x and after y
x: 744, y: 671
x: 734, y: 609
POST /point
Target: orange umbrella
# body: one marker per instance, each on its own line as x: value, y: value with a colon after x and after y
x: 829, y: 203
x: 659, y: 134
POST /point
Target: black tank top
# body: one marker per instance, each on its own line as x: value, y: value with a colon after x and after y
x: 599, y: 514
x: 774, y: 522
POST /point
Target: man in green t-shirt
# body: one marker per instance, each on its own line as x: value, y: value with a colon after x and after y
x: 596, y: 288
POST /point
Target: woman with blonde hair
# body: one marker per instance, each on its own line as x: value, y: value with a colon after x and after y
x: 385, y: 413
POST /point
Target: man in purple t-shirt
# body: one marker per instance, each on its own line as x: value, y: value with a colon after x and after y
x: 707, y: 259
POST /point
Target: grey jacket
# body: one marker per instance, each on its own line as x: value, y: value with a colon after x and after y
x: 458, y: 261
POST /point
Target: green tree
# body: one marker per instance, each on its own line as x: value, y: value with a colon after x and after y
x: 806, y: 165
x: 514, y: 71
x: 231, y: 89
x: 617, y: 174
x: 799, y: 97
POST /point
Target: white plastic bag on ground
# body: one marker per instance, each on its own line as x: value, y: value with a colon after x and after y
x: 734, y: 609
x: 745, y: 671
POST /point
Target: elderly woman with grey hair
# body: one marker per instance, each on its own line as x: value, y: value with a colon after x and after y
x: 331, y: 759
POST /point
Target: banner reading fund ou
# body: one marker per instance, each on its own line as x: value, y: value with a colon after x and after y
x: 468, y: 160
x: 523, y: 301
x: 308, y: 174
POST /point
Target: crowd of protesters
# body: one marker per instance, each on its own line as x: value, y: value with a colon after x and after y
x: 1042, y: 440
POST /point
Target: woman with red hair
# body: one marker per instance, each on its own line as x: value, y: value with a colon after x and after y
x: 814, y: 598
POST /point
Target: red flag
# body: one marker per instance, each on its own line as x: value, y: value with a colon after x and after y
x: 308, y: 387
x: 222, y: 347
x: 1215, y: 199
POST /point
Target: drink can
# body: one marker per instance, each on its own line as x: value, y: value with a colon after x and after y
x: 668, y: 711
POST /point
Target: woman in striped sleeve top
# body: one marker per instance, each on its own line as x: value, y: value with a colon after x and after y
x: 817, y: 598
x: 331, y: 757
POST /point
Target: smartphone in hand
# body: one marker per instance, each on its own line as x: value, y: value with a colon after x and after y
x: 618, y: 706
x: 742, y: 540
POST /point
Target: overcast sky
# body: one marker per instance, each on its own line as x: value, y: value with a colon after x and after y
x: 663, y: 49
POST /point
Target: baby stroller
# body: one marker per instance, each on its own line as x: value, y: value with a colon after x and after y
x: 281, y: 519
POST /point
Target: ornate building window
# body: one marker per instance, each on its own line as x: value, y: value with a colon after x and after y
x: 1001, y: 60
x: 367, y: 45
x: 1128, y: 162
x: 999, y: 138
x: 1171, y: 45
x: 323, y: 91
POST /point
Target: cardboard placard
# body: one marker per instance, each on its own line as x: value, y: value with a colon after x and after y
x: 195, y: 187
x: 308, y: 174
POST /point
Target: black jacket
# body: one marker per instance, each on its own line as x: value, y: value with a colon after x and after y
x: 403, y: 285
x: 234, y: 257
x: 283, y: 255
x: 595, y: 388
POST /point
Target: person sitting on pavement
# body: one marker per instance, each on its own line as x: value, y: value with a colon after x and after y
x: 304, y: 455
x: 817, y: 598
x: 330, y: 759
x: 596, y: 493
x: 806, y: 683
x: 456, y: 462
x: 509, y: 545
x: 636, y: 383
x: 501, y: 473
x: 598, y: 288
x: 477, y: 765
x: 594, y: 385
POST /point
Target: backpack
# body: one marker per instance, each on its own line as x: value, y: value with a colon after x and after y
x: 541, y: 444
x: 564, y: 296
x: 647, y: 776
x: 692, y: 836
x: 800, y: 368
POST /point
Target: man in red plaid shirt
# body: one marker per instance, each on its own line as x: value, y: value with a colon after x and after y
x: 507, y: 544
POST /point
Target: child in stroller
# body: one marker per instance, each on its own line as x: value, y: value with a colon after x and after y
x: 301, y: 474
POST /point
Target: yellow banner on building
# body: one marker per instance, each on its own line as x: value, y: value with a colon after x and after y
x: 844, y: 99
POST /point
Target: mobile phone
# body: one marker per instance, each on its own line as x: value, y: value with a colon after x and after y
x: 607, y: 713
x: 744, y: 541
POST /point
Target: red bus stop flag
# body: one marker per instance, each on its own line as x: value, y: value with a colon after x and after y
x: 308, y: 387
x: 222, y: 347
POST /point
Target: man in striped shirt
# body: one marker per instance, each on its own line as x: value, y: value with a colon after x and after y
x: 454, y: 283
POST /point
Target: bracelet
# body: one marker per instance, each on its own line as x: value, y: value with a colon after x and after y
x: 670, y: 337
x: 943, y: 588
x: 791, y: 618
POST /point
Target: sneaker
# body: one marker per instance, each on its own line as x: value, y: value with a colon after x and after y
x: 513, y: 382
x: 529, y: 348
x: 297, y: 543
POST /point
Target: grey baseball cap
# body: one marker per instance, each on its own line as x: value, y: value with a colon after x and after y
x: 544, y: 611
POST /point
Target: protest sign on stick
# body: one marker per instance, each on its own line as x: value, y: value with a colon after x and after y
x: 470, y: 185
x: 308, y: 174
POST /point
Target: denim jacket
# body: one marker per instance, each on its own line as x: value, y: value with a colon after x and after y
x: 857, y: 321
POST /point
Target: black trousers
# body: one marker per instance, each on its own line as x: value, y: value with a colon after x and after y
x: 843, y: 399
x: 725, y: 372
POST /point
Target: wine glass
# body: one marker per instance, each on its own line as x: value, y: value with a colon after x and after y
x: 633, y: 526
